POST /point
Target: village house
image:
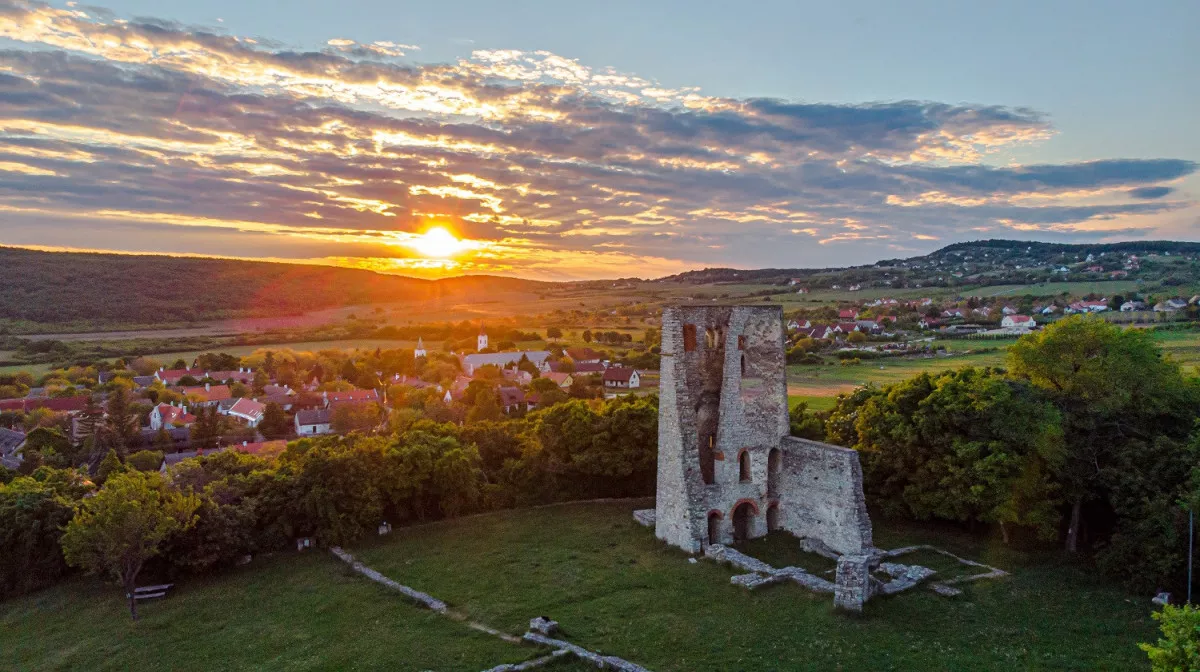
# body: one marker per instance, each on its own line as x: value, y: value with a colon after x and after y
x: 169, y: 415
x: 795, y: 325
x: 68, y: 405
x: 502, y: 359
x: 511, y: 399
x: 517, y: 376
x: 619, y: 377
x: 11, y: 442
x: 584, y: 355
x: 350, y: 396
x: 848, y: 314
x: 1017, y: 322
x: 173, y: 376
x: 241, y: 375
x: 207, y: 394
x: 563, y: 380
x: 249, y: 411
x: 1087, y: 307
x: 1130, y: 306
x: 589, y: 368
x: 315, y: 422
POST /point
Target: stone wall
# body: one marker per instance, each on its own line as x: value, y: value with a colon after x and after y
x: 821, y: 495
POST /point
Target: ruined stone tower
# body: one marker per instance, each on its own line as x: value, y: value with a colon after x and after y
x: 727, y: 469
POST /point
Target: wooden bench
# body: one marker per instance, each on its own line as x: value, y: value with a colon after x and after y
x: 148, y: 592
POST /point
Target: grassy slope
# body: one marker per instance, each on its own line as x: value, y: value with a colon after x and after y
x: 287, y: 612
x: 612, y: 586
x: 615, y: 588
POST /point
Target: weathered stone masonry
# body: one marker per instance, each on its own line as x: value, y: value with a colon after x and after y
x: 727, y: 469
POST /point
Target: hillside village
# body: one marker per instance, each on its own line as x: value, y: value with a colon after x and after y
x: 186, y: 411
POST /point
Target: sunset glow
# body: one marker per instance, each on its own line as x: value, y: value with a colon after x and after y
x: 438, y: 243
x: 499, y: 159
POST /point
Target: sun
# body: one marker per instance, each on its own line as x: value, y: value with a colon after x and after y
x: 438, y: 243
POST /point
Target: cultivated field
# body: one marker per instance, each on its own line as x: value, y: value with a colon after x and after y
x: 613, y: 588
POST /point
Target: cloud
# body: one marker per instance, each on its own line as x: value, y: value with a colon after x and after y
x: 1150, y: 192
x: 555, y: 168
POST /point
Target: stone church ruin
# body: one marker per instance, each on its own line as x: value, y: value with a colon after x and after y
x: 728, y: 470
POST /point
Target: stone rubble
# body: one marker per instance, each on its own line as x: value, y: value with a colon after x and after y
x: 944, y: 590
x: 645, y: 517
x: 903, y: 577
x: 543, y: 625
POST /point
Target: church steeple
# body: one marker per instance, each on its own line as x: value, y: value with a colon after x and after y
x: 482, y: 341
x: 420, y: 351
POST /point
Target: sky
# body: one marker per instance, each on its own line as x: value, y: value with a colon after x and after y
x: 565, y: 141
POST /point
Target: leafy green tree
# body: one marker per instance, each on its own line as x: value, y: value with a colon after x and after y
x: 145, y: 460
x: 110, y: 466
x: 51, y: 444
x: 1178, y: 650
x: 554, y: 333
x: 967, y: 445
x: 274, y: 423
x: 806, y: 424
x: 1117, y: 394
x: 163, y: 441
x: 124, y: 525
x: 121, y: 423
x: 587, y: 335
x: 207, y: 429
x: 356, y: 417
x: 485, y: 408
x: 33, y: 513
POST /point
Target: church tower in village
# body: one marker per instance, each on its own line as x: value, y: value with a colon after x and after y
x: 420, y: 351
x: 482, y: 342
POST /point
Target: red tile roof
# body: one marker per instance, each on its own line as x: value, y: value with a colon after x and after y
x: 211, y: 393
x: 618, y: 374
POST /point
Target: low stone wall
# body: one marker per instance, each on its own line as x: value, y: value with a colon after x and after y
x: 821, y: 495
x: 416, y: 595
x: 600, y: 661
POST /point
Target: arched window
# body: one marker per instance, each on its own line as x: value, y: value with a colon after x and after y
x: 714, y: 527
x: 744, y: 466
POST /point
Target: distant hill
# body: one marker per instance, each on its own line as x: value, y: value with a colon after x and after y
x: 988, y: 262
x: 57, y: 288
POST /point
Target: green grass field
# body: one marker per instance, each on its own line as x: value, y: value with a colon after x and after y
x: 612, y: 586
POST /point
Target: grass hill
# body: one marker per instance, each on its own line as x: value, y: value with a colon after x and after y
x: 57, y: 288
x: 989, y: 262
x: 611, y: 585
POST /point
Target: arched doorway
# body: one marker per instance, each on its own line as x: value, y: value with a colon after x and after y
x: 743, y: 521
x: 774, y: 465
x: 714, y: 527
x: 773, y: 517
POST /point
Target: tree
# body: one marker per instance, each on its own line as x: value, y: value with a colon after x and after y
x: 125, y: 525
x: 122, y: 424
x: 587, y: 335
x: 109, y: 466
x: 554, y: 333
x: 857, y: 337
x: 1118, y: 395
x: 485, y: 407
x: 145, y: 460
x: 355, y: 417
x: 33, y: 512
x: 1178, y: 650
x: 274, y: 423
x: 207, y: 429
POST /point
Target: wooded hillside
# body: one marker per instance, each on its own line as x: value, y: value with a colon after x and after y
x: 104, y: 289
